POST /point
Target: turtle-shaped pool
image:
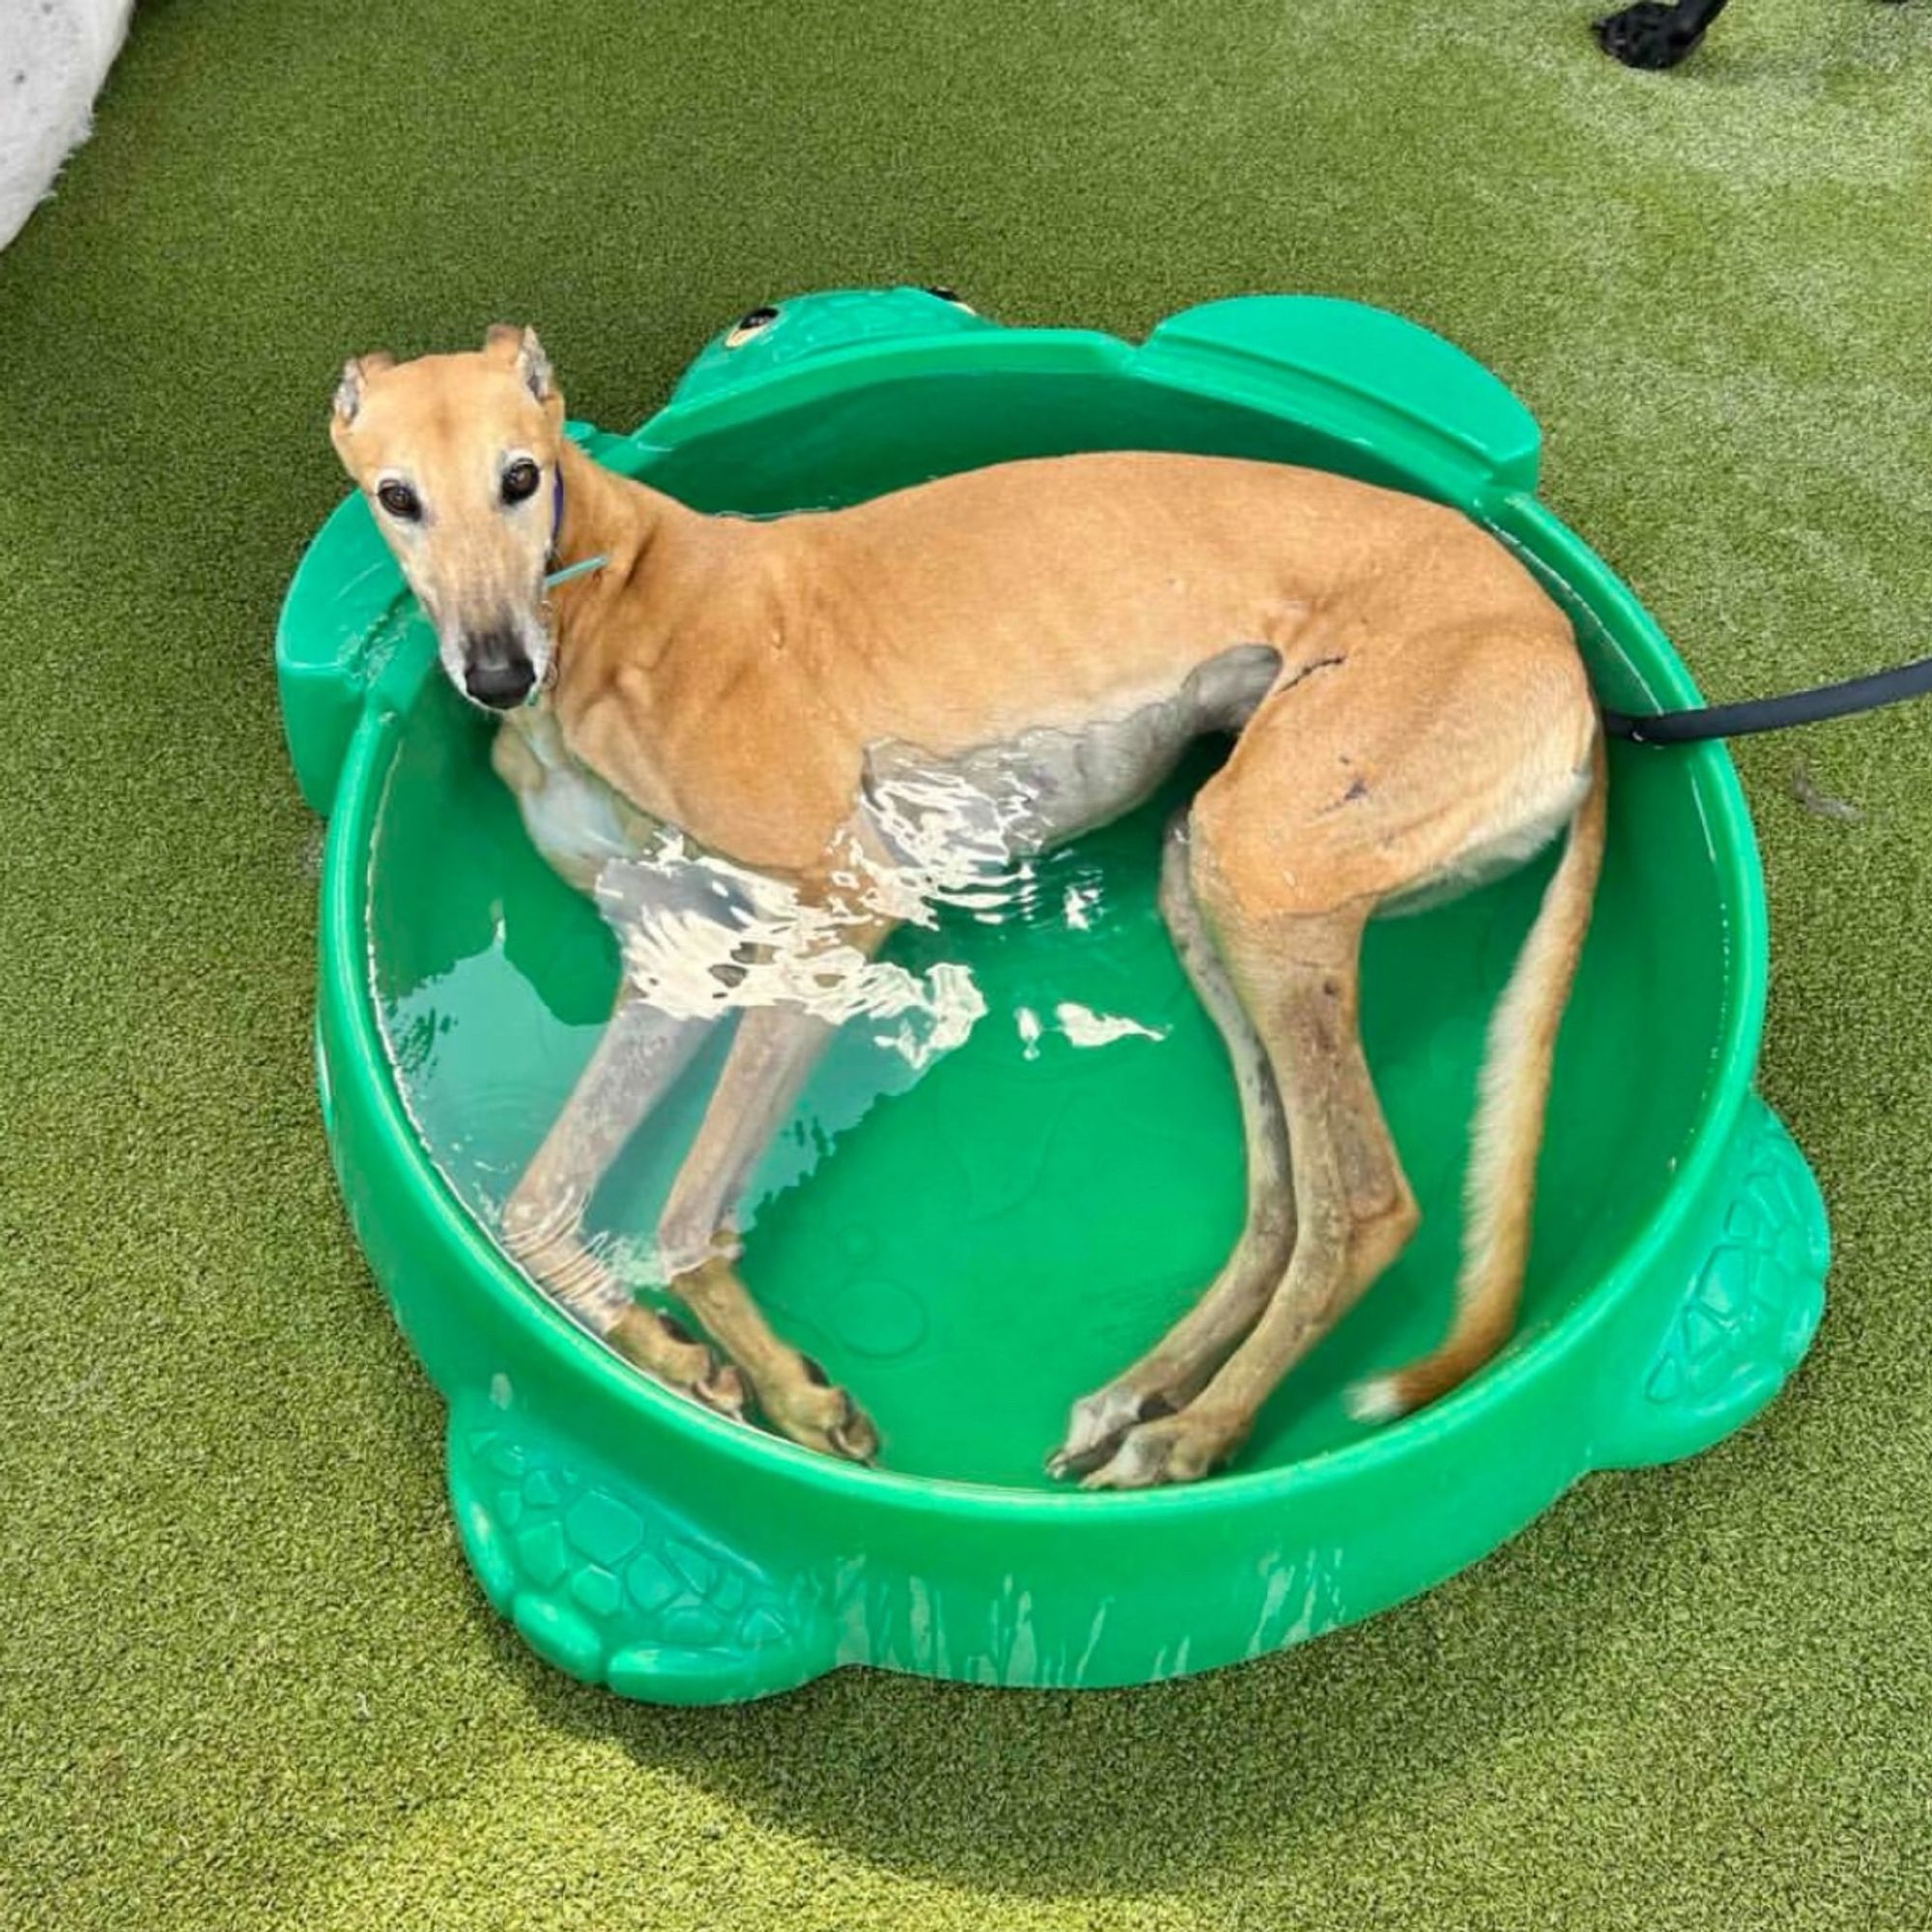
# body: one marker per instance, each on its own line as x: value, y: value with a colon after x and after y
x: 969, y: 1249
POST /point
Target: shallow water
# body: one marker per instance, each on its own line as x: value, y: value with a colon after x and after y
x: 696, y: 937
x: 989, y: 1201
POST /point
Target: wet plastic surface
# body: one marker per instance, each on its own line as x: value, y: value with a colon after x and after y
x: 969, y: 1249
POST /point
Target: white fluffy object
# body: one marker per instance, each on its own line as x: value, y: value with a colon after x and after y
x: 54, y: 54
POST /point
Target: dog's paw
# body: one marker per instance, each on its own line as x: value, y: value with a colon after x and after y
x: 668, y: 1352
x: 1099, y: 1422
x: 1174, y: 1449
x: 814, y: 1411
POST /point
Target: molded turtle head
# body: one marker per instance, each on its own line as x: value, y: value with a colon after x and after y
x: 778, y: 334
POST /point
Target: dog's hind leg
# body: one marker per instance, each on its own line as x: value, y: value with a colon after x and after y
x: 642, y: 1052
x: 1353, y: 1210
x: 1347, y: 794
x: 1173, y: 1371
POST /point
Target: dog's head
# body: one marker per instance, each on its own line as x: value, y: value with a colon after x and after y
x: 457, y: 455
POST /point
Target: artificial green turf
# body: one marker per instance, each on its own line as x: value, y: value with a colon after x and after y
x: 244, y: 1678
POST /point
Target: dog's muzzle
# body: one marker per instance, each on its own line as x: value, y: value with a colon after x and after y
x: 496, y: 670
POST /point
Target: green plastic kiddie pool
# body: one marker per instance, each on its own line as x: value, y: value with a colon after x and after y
x: 970, y: 1253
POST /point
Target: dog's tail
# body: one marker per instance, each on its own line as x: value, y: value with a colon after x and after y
x: 1508, y: 1131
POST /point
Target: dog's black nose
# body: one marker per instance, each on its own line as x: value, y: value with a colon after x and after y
x: 499, y: 681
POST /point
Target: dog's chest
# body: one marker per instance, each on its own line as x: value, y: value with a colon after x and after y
x: 576, y: 821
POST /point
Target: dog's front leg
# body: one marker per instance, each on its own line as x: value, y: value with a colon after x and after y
x: 642, y: 1051
x: 697, y: 1236
x: 834, y: 928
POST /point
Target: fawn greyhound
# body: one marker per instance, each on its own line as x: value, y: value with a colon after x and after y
x: 1045, y: 636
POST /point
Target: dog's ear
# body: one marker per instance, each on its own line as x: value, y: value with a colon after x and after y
x: 355, y: 373
x: 521, y: 348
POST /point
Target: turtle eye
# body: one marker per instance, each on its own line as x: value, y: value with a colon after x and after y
x: 400, y: 500
x: 520, y: 480
x: 954, y: 297
x: 748, y: 325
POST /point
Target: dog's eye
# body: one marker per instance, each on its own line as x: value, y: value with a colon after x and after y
x: 954, y: 297
x: 520, y: 480
x: 748, y: 325
x: 400, y: 500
